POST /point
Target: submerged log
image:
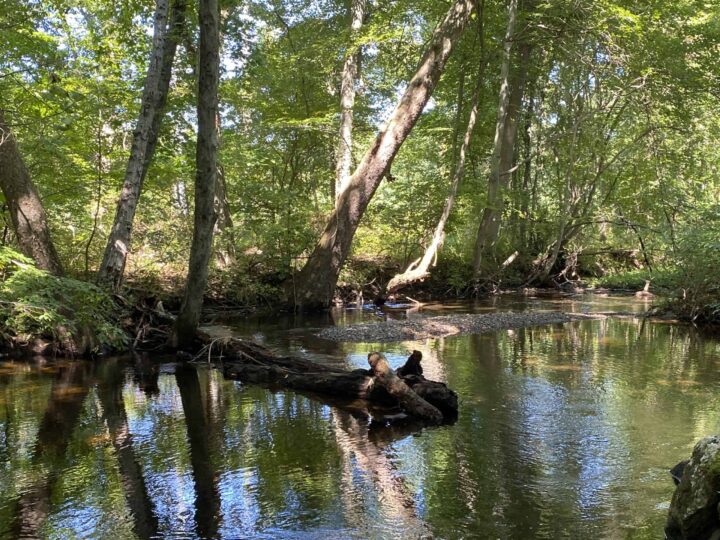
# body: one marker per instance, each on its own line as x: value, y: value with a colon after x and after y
x: 380, y: 386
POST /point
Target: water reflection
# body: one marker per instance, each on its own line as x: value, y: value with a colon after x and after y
x: 565, y: 431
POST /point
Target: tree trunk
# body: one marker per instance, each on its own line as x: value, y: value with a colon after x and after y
x: 27, y: 213
x: 145, y: 135
x: 224, y: 255
x: 350, y: 75
x: 527, y: 170
x: 504, y: 146
x: 417, y: 397
x: 417, y: 273
x: 205, y: 176
x: 315, y: 285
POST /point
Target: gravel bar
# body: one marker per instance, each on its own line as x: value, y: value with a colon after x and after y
x: 453, y: 325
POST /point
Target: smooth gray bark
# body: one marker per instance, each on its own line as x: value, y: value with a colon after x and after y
x: 350, y: 75
x: 145, y: 135
x: 416, y: 272
x: 27, y: 213
x: 313, y: 288
x: 205, y: 175
x: 499, y: 175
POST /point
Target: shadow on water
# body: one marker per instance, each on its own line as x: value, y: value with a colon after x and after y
x: 565, y: 431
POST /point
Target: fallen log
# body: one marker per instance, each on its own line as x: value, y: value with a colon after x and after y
x: 380, y: 386
x: 396, y: 387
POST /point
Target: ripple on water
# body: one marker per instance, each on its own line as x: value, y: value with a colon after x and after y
x: 564, y: 432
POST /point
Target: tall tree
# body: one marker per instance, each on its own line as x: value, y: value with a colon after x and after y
x: 350, y: 73
x: 145, y: 135
x: 419, y: 270
x: 205, y: 175
x: 27, y: 213
x: 314, y: 286
x: 510, y: 97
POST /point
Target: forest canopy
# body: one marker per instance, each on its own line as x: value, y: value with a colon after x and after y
x: 519, y: 143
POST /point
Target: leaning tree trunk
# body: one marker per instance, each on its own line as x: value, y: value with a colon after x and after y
x: 347, y: 101
x: 503, y: 151
x: 27, y: 213
x: 314, y: 286
x: 205, y: 176
x: 417, y: 272
x: 157, y: 83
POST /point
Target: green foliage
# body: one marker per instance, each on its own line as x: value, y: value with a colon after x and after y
x: 249, y: 282
x: 617, y: 139
x: 698, y: 256
x: 77, y: 316
x: 661, y: 280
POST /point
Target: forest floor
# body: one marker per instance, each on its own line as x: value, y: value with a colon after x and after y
x: 422, y: 327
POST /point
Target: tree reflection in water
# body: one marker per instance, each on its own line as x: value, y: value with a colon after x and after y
x: 563, y: 431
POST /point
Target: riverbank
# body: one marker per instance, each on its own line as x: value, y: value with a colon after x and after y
x: 423, y: 327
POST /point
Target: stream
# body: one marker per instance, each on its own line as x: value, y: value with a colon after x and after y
x: 565, y: 431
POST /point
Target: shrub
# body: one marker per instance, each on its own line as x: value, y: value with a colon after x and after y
x: 75, y: 316
x: 698, y: 252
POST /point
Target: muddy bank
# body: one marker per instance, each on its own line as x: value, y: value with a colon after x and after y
x: 454, y: 325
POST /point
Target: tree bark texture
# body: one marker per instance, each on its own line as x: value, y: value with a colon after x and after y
x: 313, y: 288
x: 27, y: 213
x: 205, y: 176
x: 350, y: 74
x: 504, y: 146
x: 420, y: 271
x: 145, y: 136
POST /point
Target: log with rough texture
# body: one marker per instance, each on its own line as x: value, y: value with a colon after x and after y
x: 27, y: 213
x: 396, y: 387
x: 695, y: 508
x: 418, y: 397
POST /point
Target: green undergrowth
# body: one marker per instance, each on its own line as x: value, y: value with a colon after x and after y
x: 662, y: 280
x: 73, y: 316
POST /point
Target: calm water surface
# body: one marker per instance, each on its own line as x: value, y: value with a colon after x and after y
x: 565, y: 431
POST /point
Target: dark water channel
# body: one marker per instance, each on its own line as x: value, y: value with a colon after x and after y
x: 565, y: 431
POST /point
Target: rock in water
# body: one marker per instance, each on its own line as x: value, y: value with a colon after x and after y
x: 695, y: 507
x: 678, y: 470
